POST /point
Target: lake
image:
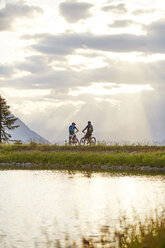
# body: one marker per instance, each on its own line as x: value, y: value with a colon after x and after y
x: 41, y: 206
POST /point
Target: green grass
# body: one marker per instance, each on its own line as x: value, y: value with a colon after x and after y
x: 90, y: 157
x: 96, y: 148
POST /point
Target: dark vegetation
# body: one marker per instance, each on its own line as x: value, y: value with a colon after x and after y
x: 7, y: 121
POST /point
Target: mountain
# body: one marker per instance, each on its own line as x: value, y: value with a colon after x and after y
x: 25, y: 134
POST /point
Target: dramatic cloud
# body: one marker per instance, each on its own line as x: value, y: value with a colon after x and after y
x: 74, y: 11
x: 54, y: 71
x: 43, y: 75
x: 152, y: 42
x: 53, y: 105
x: 12, y: 12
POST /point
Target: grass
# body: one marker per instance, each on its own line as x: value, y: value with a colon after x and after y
x: 96, y: 148
x: 77, y: 157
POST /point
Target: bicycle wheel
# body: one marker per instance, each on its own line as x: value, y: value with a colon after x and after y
x: 76, y: 142
x: 82, y: 141
x: 93, y: 141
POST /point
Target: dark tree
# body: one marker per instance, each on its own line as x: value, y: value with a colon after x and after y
x: 7, y: 121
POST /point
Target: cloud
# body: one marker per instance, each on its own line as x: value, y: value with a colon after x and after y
x: 110, y: 121
x: 67, y: 43
x: 34, y: 64
x: 143, y: 11
x: 120, y: 8
x: 118, y: 122
x: 74, y: 11
x: 157, y: 29
x: 44, y: 86
x: 12, y: 12
x: 122, y: 23
x: 43, y: 74
x: 6, y: 71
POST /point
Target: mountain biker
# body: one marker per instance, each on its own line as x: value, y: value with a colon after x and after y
x: 89, y: 129
x: 72, y: 129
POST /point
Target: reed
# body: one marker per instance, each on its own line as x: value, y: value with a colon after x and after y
x: 149, y: 233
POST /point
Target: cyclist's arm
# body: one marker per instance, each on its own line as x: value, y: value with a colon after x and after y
x: 76, y: 129
x: 84, y: 128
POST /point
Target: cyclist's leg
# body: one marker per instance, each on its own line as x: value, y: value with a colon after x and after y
x: 74, y: 138
x: 86, y: 135
x: 89, y: 138
x: 70, y: 139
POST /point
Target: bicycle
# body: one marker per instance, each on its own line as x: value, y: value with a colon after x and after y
x: 74, y: 140
x: 88, y: 141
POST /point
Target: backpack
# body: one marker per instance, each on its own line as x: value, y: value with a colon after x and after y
x: 71, y: 128
x: 90, y: 128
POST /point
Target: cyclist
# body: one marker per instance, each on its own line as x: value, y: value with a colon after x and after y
x: 89, y: 129
x: 72, y: 129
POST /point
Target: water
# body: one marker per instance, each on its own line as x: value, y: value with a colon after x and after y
x: 36, y: 206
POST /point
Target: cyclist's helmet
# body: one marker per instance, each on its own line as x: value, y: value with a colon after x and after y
x: 89, y: 122
x: 73, y: 123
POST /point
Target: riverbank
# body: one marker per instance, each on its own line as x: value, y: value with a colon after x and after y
x: 99, y: 157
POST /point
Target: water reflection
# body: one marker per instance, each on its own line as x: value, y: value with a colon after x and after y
x: 32, y: 202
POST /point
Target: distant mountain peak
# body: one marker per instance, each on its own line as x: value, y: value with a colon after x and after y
x: 25, y: 134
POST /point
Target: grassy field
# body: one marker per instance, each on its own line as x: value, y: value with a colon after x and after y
x: 34, y: 156
x: 96, y: 148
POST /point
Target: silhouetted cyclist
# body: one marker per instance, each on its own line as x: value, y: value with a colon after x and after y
x: 72, y: 129
x: 89, y: 129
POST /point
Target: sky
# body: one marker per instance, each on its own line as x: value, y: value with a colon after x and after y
x: 69, y: 60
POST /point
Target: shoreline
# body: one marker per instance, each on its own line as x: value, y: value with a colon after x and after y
x: 92, y: 168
